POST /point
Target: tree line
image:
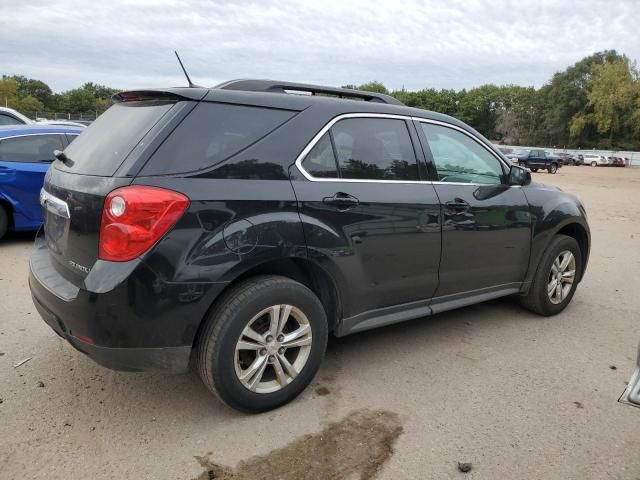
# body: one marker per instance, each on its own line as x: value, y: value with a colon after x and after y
x: 594, y: 103
x: 34, y: 97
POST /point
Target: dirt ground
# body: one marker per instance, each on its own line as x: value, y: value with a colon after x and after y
x: 517, y: 395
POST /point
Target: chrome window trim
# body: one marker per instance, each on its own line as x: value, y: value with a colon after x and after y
x: 33, y: 134
x: 326, y: 128
x: 468, y: 134
x: 301, y: 157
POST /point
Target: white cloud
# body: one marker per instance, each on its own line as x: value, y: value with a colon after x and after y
x: 454, y: 44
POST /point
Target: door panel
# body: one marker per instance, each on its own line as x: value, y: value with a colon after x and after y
x: 27, y: 158
x: 485, y: 244
x: 386, y: 248
x: 486, y: 226
x: 366, y: 216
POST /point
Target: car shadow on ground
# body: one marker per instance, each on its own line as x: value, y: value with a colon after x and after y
x: 151, y: 394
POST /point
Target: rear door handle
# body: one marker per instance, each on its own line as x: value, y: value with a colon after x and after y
x: 341, y: 200
x: 458, y: 205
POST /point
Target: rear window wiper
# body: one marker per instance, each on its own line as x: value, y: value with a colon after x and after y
x: 60, y: 155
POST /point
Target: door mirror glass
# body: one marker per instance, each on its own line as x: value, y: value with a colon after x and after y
x: 519, y: 176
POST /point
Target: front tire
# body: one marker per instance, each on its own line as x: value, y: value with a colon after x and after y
x: 263, y: 343
x: 533, y: 169
x: 4, y: 222
x: 553, y: 168
x: 556, y: 279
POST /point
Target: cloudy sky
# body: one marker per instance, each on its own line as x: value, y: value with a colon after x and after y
x: 415, y: 44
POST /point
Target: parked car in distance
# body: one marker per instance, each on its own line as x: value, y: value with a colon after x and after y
x: 631, y: 394
x: 26, y: 151
x: 9, y: 116
x: 240, y: 225
x: 595, y: 160
x: 571, y: 159
x: 505, y: 151
x: 618, y: 162
x: 536, y: 159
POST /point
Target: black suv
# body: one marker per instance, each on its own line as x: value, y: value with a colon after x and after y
x: 537, y: 159
x: 239, y: 226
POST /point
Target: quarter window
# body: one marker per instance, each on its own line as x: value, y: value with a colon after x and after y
x: 321, y: 161
x: 459, y: 158
x: 30, y: 148
x: 211, y: 134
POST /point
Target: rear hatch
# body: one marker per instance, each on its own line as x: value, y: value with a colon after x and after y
x: 104, y: 157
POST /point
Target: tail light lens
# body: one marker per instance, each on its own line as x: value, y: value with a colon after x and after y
x: 134, y: 218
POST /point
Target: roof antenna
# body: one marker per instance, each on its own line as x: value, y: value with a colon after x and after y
x: 191, y: 84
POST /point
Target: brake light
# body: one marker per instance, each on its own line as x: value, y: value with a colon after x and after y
x: 134, y: 218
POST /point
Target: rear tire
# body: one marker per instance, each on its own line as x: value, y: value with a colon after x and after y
x: 235, y: 342
x: 4, y: 221
x: 539, y: 299
x: 594, y: 164
x: 533, y: 169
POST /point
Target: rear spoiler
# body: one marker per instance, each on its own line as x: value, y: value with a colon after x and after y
x: 167, y: 94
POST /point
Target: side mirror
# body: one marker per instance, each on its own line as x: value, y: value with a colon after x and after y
x: 519, y: 176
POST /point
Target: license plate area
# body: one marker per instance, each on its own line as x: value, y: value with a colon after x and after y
x: 56, y: 221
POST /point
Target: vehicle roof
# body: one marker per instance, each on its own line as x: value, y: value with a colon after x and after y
x: 293, y: 101
x: 15, y: 130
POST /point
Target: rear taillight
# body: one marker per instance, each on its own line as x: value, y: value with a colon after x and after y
x: 134, y: 218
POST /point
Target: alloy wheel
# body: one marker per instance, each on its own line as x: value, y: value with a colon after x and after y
x: 273, y: 348
x: 561, y: 277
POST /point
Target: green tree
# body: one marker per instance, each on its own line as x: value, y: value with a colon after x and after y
x: 34, y: 88
x: 374, y: 86
x: 30, y: 106
x: 565, y: 96
x: 613, y: 92
x: 8, y: 92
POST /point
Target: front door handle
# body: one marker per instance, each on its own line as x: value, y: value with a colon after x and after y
x: 342, y: 201
x: 458, y: 205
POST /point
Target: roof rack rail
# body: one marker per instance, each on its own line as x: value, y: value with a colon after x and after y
x: 275, y: 86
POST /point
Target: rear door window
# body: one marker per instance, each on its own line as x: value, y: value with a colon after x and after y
x: 374, y: 149
x: 211, y: 134
x: 9, y: 120
x: 30, y: 148
x: 107, y: 142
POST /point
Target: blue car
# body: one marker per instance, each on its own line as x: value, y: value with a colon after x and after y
x: 26, y: 151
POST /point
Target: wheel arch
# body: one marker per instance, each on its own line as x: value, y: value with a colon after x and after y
x: 300, y: 269
x: 578, y: 232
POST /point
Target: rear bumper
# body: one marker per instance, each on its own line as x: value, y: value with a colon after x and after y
x: 137, y: 322
x: 162, y: 359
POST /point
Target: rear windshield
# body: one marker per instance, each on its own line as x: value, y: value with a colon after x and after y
x: 105, y: 144
x: 212, y: 133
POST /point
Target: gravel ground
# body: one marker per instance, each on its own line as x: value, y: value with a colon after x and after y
x: 516, y: 395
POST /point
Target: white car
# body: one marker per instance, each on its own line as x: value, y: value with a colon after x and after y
x: 9, y: 116
x: 595, y: 160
